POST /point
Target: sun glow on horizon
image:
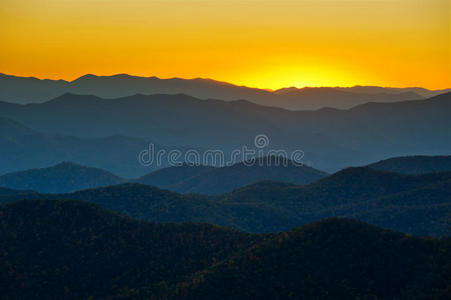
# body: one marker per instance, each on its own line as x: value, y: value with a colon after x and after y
x: 265, y: 44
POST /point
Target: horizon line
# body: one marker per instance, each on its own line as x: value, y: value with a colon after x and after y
x: 217, y: 81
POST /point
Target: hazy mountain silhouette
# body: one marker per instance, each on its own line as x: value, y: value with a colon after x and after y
x: 331, y: 139
x: 73, y: 248
x: 27, y: 90
x: 214, y: 181
x: 414, y: 164
x: 61, y: 178
x: 68, y: 177
x: 376, y: 90
x: 413, y: 204
x: 22, y: 148
x: 315, y: 98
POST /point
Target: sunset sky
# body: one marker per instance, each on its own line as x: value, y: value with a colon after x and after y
x: 265, y: 44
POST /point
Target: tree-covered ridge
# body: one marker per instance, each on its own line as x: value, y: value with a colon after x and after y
x: 414, y: 164
x: 330, y: 259
x: 418, y: 205
x: 61, y: 178
x: 68, y: 249
x: 75, y: 250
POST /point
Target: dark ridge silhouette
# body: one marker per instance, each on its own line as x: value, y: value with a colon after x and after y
x: 414, y: 164
x: 70, y: 249
x: 28, y: 90
x: 334, y: 258
x: 413, y: 204
x: 215, y: 181
x: 73, y: 249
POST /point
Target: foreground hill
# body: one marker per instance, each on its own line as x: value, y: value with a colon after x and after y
x: 332, y: 259
x: 413, y: 204
x: 75, y: 250
x: 330, y: 139
x: 414, y: 164
x: 66, y: 249
x: 29, y: 90
x: 61, y: 178
x: 215, y: 181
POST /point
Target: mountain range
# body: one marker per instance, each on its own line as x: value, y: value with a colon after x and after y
x: 32, y: 90
x: 125, y: 187
x: 67, y: 177
x: 417, y: 204
x: 330, y: 139
x: 76, y: 250
x: 22, y: 148
x: 215, y: 181
x: 188, y: 178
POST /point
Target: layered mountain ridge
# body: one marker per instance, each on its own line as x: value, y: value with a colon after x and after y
x: 32, y: 90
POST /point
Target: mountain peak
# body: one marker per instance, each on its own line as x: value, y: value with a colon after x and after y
x: 85, y: 77
x: 72, y: 97
x: 65, y: 164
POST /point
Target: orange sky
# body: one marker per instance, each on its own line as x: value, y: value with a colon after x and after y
x: 259, y: 43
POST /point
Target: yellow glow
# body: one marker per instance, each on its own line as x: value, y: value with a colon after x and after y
x: 266, y: 44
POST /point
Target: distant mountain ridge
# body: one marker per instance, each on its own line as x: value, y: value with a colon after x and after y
x: 215, y: 181
x: 188, y: 178
x: 22, y: 148
x: 67, y: 177
x: 377, y: 90
x: 330, y: 139
x: 28, y: 90
x: 61, y: 178
x: 414, y: 164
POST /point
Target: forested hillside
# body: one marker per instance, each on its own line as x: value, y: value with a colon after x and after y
x: 76, y: 250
